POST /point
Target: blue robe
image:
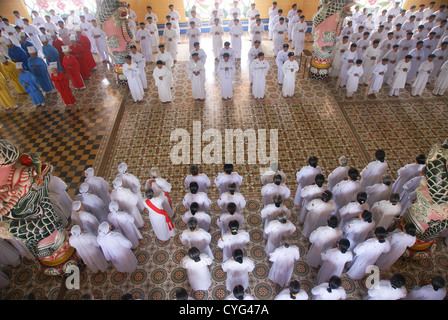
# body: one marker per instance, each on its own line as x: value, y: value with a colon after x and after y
x: 32, y: 88
x: 25, y: 46
x: 52, y: 55
x: 41, y: 74
x: 17, y: 54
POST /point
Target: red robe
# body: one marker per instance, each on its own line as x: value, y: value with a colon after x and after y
x: 80, y: 52
x: 72, y: 68
x: 58, y: 43
x: 85, y: 42
x: 63, y: 85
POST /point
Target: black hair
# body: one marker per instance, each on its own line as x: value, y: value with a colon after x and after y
x: 410, y: 228
x: 181, y: 294
x: 319, y: 179
x: 194, y: 187
x: 332, y: 222
x: 394, y: 198
x: 294, y: 288
x: 334, y: 283
x: 277, y: 179
x: 234, y: 225
x: 278, y: 200
x: 361, y: 197
x: 438, y: 283
x: 326, y: 196
x: 192, y: 223
x: 194, y: 207
x: 232, y: 188
x: 353, y: 174
x: 367, y: 216
x: 194, y: 170
x: 397, y: 281
x: 380, y: 233
x: 238, y: 255
x: 194, y: 253
x: 238, y: 292
x: 344, y: 244
x: 420, y: 159
x: 312, y: 161
x: 228, y: 168
x: 149, y: 193
x: 282, y: 217
x: 127, y: 296
x: 231, y: 208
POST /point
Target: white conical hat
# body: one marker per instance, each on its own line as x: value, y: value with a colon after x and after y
x: 54, y: 65
x: 72, y: 38
x: 65, y: 49
x: 31, y: 49
x: 19, y: 65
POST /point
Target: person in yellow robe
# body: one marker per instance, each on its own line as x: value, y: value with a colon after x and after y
x: 6, y: 100
x: 9, y: 70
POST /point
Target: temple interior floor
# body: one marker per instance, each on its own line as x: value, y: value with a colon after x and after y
x: 105, y: 127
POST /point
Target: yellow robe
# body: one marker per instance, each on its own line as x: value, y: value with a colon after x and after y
x: 6, y: 100
x: 9, y: 71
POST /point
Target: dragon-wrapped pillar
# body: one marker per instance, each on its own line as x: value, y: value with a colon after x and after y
x: 26, y: 212
x: 429, y: 211
x: 327, y: 24
x: 113, y: 19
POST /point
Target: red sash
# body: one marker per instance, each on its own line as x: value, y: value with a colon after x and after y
x: 162, y: 212
x: 167, y: 194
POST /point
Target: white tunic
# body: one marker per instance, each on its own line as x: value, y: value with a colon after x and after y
x: 229, y: 243
x: 405, y: 174
x: 423, y: 74
x: 378, y: 192
x: 278, y: 32
x: 124, y: 222
x: 171, y: 39
x: 336, y: 61
x: 199, y: 239
x: 336, y: 176
x: 371, y: 56
x: 198, y: 272
x: 333, y: 263
x: 347, y: 56
x: 275, y: 230
x: 318, y: 213
x: 377, y: 78
x: 298, y: 31
x: 441, y: 83
x: 127, y: 201
x: 351, y: 210
x: 194, y: 35
x: 135, y: 85
x: 372, y: 173
x: 384, y: 213
x: 259, y: 70
x: 268, y: 176
x: 399, y: 78
x: 94, y: 204
x: 87, y: 248
x: 270, y: 212
x: 286, y: 295
x: 202, y: 217
x: 304, y: 177
x: 399, y: 241
x: 217, y: 32
x: 226, y: 198
x: 117, y: 249
x: 237, y: 273
x: 309, y: 193
x: 426, y: 293
x: 161, y: 223
x: 356, y: 230
x: 354, y: 74
x: 163, y: 80
x: 366, y: 254
x: 166, y: 58
x: 283, y: 264
x: 321, y: 239
x: 100, y: 187
x: 226, y: 77
x: 196, y: 74
x: 144, y: 37
x: 271, y: 189
x: 131, y: 182
x: 289, y: 69
x: 236, y: 32
x: 384, y: 291
x: 345, y: 192
x: 200, y: 198
x: 201, y: 179
x: 222, y: 180
x: 87, y: 221
x: 320, y: 292
x: 257, y: 32
x: 100, y: 40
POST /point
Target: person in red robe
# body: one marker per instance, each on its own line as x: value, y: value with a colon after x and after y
x: 84, y: 40
x: 58, y: 44
x: 72, y: 68
x: 62, y: 83
x: 80, y: 53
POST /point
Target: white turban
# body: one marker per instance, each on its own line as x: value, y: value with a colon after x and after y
x: 122, y: 167
x: 104, y: 227
x: 76, y: 230
x: 84, y: 187
x: 76, y: 205
x: 89, y: 172
x: 113, y: 206
x: 117, y: 182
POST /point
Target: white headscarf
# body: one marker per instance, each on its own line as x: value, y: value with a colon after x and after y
x: 76, y: 205
x: 122, y: 167
x: 76, y: 230
x: 83, y: 188
x: 113, y: 206
x: 103, y: 228
x: 89, y: 172
x: 117, y: 183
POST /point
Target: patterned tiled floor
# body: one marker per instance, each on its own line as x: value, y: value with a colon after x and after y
x: 106, y: 128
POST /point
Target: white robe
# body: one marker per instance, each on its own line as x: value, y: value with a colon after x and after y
x: 351, y: 210
x: 99, y: 37
x: 275, y: 230
x: 198, y: 273
x: 236, y: 33
x: 225, y: 218
x: 399, y: 78
x: 201, y: 179
x: 140, y: 60
x: 377, y: 79
x: 408, y: 189
x: 197, y: 81
x: 199, y: 239
x: 282, y: 267
x: 270, y: 212
x: 345, y: 66
x: 441, y: 83
x: 237, y: 273
x: 166, y: 58
x: 154, y: 35
x: 33, y: 32
x: 268, y: 176
x: 200, y: 198
x: 87, y: 221
x: 259, y: 70
x: 333, y: 263
x: 217, y: 32
x: 135, y: 85
x: 229, y: 243
x: 439, y: 60
x: 222, y: 180
x: 384, y: 213
x: 286, y: 295
x: 366, y: 254
x: 59, y: 187
x: 171, y: 40
x: 336, y: 176
x: 304, y: 177
x: 226, y: 198
x: 194, y: 35
x: 132, y: 183
x: 271, y: 189
x: 405, y: 174
x: 299, y: 30
x: 372, y: 173
x: 89, y: 251
x: 321, y: 239
x: 378, y: 192
x: 384, y: 291
x: 345, y: 192
x: 320, y: 292
x: 124, y: 222
x: 337, y: 57
x: 257, y: 32
x: 391, y: 65
x: 426, y: 293
x: 418, y: 56
x: 163, y: 85
x: 282, y: 57
x: 128, y: 201
x: 9, y: 256
x: 354, y: 74
x: 309, y: 193
x: 399, y: 241
x: 422, y: 78
x: 278, y: 32
x: 289, y: 69
x: 202, y: 217
x: 95, y: 205
x: 117, y: 249
x: 161, y: 224
x: 100, y: 187
x: 226, y: 78
x: 318, y: 213
x: 368, y: 64
x: 356, y: 231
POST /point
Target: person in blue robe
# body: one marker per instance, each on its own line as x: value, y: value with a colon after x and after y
x: 51, y: 54
x: 39, y: 69
x: 17, y: 54
x: 31, y: 86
